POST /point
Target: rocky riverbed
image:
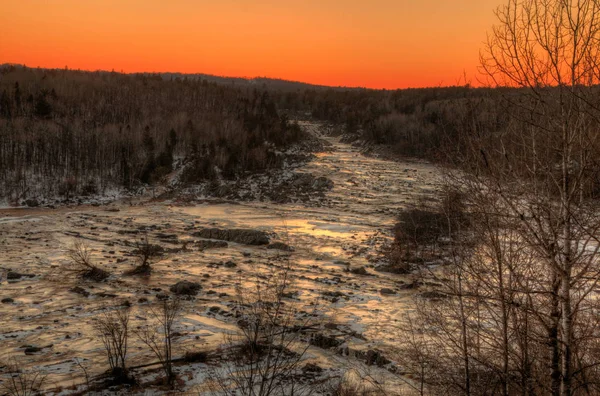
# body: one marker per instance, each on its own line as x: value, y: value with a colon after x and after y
x: 332, y: 240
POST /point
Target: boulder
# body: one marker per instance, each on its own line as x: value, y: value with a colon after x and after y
x: 32, y: 203
x: 30, y: 350
x: 312, y: 368
x: 11, y: 275
x: 325, y: 342
x: 374, y: 357
x: 185, y: 288
x: 359, y: 271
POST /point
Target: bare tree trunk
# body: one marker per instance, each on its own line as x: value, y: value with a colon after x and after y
x: 565, y: 264
x: 553, y: 340
x: 504, y: 309
x: 464, y: 335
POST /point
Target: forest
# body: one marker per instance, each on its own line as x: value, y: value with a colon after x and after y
x: 517, y: 219
x: 66, y: 133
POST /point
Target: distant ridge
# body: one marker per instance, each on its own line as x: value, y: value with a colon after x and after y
x: 270, y: 83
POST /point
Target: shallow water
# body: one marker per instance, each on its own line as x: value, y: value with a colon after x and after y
x: 345, y: 230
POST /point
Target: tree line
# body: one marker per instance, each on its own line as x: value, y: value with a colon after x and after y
x: 65, y: 132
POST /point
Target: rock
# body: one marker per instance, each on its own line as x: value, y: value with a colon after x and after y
x: 322, y: 183
x: 290, y: 295
x: 387, y: 291
x: 162, y: 235
x: 208, y: 244
x: 128, y: 232
x: 303, y: 180
x: 11, y: 275
x: 333, y: 293
x: 331, y: 326
x: 186, y: 288
x: 375, y: 358
x: 359, y: 271
x: 434, y: 295
x: 312, y: 368
x: 230, y: 264
x: 7, y: 300
x: 80, y: 290
x: 32, y: 203
x: 401, y: 269
x: 325, y: 342
x: 195, y: 357
x: 32, y: 349
x: 280, y: 246
x: 242, y: 236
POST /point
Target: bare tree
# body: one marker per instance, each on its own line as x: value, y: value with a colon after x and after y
x: 520, y: 311
x: 415, y: 355
x: 158, y: 335
x: 265, y: 357
x: 113, y: 329
x: 80, y: 255
x: 544, y: 168
x: 146, y: 254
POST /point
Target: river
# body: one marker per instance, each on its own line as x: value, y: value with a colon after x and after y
x: 344, y: 230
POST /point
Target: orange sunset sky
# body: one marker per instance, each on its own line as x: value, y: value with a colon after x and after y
x: 371, y: 43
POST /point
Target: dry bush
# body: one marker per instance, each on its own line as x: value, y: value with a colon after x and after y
x: 427, y: 231
x: 351, y: 383
x: 19, y: 382
x: 112, y: 327
x: 80, y: 256
x: 158, y: 335
x: 344, y: 388
x: 146, y: 254
x: 265, y: 356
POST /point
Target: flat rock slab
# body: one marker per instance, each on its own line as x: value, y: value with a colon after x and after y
x: 210, y: 244
x: 239, y: 235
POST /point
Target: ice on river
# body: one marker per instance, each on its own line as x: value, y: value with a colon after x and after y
x: 41, y: 309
